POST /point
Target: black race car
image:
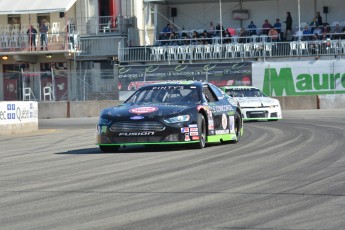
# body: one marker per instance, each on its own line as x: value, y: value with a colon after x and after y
x: 193, y: 113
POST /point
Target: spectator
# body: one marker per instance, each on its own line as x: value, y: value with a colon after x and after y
x: 299, y: 34
x: 273, y: 34
x: 252, y: 28
x: 206, y: 37
x: 219, y: 29
x: 325, y: 36
x: 227, y: 37
x: 336, y: 31
x: 266, y: 27
x: 306, y: 33
x: 317, y: 31
x: 319, y: 18
x: 43, y: 32
x: 164, y: 38
x: 32, y: 32
x: 211, y: 29
x: 342, y: 36
x: 242, y: 36
x: 278, y: 26
x: 168, y: 29
x: 326, y: 27
x: 313, y: 25
x: 195, y: 37
x: 288, y: 23
x: 173, y: 39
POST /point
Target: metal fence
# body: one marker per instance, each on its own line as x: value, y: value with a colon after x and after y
x: 61, y: 85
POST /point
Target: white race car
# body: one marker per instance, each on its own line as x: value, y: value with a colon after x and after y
x: 254, y: 103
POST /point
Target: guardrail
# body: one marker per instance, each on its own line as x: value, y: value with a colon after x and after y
x: 226, y: 51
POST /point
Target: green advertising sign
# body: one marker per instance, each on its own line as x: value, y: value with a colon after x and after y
x: 282, y: 82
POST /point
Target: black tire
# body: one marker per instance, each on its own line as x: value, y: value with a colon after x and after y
x: 109, y: 149
x: 202, y: 132
x: 238, y: 126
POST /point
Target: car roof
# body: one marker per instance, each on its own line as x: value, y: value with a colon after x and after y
x: 195, y: 83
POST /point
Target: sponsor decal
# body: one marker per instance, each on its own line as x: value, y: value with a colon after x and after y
x: 194, y: 138
x: 193, y: 126
x: 173, y: 87
x: 103, y: 129
x: 221, y: 108
x: 136, y: 118
x: 226, y: 131
x: 14, y: 112
x: 293, y: 82
x: 143, y: 110
x: 184, y: 130
x: 224, y: 121
x: 194, y: 133
x: 186, y: 137
x: 11, y: 111
x: 193, y: 129
x: 137, y: 134
x: 17, y: 112
x: 209, y: 112
x: 232, y: 124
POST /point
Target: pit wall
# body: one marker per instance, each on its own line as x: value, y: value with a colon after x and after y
x: 18, y: 117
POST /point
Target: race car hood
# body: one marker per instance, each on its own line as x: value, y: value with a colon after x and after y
x: 141, y: 111
x: 257, y: 101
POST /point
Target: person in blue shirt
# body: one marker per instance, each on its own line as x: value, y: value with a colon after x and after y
x: 252, y: 28
x: 44, y: 37
x: 307, y: 34
x: 168, y: 29
x: 278, y: 27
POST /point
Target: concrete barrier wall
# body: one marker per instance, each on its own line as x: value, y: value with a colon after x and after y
x: 298, y: 102
x: 75, y: 109
x: 332, y: 101
x: 56, y: 109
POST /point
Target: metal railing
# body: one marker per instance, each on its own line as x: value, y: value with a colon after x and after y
x: 22, y: 42
x: 103, y: 25
x: 231, y: 50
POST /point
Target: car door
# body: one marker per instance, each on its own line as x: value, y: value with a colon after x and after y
x: 221, y: 111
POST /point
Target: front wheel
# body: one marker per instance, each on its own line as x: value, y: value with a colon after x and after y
x: 238, y: 127
x: 202, y: 132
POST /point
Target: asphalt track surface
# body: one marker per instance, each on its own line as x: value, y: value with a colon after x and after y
x: 282, y: 175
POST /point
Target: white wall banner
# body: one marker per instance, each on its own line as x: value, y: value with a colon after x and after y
x: 17, y: 112
x: 297, y: 78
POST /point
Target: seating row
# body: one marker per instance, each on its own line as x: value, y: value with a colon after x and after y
x: 210, y: 51
x: 246, y: 50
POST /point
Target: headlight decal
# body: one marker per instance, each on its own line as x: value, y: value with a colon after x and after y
x: 177, y: 119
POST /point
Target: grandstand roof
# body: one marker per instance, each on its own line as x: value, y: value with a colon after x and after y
x: 34, y: 7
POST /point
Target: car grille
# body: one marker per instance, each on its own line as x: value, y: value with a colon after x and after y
x: 138, y: 126
x: 257, y: 114
x: 136, y: 139
x: 274, y: 115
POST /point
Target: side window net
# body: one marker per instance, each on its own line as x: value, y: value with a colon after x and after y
x: 209, y: 94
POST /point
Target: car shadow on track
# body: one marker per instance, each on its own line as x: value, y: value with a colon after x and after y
x: 129, y: 149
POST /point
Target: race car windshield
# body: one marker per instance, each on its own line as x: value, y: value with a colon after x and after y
x: 164, y: 94
x: 245, y: 93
